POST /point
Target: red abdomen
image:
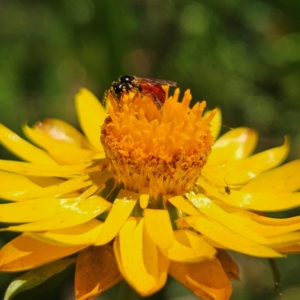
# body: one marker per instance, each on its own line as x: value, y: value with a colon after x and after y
x: 156, y: 91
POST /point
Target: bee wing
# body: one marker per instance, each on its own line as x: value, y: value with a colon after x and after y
x: 141, y: 80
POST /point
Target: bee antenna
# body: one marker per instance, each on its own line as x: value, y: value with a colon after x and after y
x: 227, y: 127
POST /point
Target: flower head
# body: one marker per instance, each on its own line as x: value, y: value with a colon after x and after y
x: 163, y: 151
x: 157, y: 197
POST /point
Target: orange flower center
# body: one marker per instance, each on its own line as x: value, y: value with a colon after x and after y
x: 160, y: 151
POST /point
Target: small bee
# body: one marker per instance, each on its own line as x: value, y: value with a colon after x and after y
x: 227, y: 190
x: 146, y: 86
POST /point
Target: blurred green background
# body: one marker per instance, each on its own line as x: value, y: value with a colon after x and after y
x: 240, y: 55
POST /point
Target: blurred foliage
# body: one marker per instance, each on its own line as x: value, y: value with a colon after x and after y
x: 240, y: 55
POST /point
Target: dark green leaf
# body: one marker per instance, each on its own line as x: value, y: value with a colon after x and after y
x: 36, y: 277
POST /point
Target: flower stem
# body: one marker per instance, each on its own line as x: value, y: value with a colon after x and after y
x: 276, y: 275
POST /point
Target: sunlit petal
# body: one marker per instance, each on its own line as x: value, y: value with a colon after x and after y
x: 61, y: 131
x: 32, y: 210
x: 285, y: 240
x: 268, y: 227
x: 59, y: 150
x: 21, y: 192
x: 91, y: 115
x: 23, y: 253
x: 265, y: 201
x: 212, y: 191
x: 58, y: 189
x: 82, y: 234
x: 233, y: 145
x: 16, y: 185
x: 80, y: 211
x: 30, y: 169
x: 144, y: 200
x: 189, y: 247
x: 242, y: 171
x: 164, y: 238
x: 229, y: 238
x: 285, y: 178
x: 143, y: 275
x: 213, y: 212
x: 184, y: 205
x: 120, y: 211
x: 273, y: 221
x: 215, y: 123
x: 23, y: 149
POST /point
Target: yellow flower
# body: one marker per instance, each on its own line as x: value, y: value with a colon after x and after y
x: 159, y: 197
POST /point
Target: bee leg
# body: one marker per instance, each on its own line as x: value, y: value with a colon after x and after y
x: 137, y: 90
x: 157, y: 102
x: 104, y: 98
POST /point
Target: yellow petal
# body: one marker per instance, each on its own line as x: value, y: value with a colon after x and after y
x: 233, y: 145
x: 184, y: 205
x: 82, y: 234
x: 138, y: 258
x: 274, y: 221
x: 75, y: 213
x: 91, y: 115
x: 63, y: 153
x: 30, y: 169
x: 24, y: 253
x: 215, y: 213
x: 215, y: 174
x: 265, y: 201
x: 206, y: 279
x: 120, y: 211
x: 94, y: 181
x: 23, y: 149
x: 242, y: 171
x: 15, y: 185
x: 189, y: 247
x: 290, y: 249
x: 228, y: 264
x: 215, y: 123
x: 156, y: 263
x: 285, y: 178
x: 31, y: 210
x: 164, y: 238
x: 61, y: 188
x: 61, y: 131
x: 163, y: 266
x: 144, y: 200
x: 268, y: 227
x: 228, y: 238
x: 96, y: 272
x: 285, y: 240
x: 45, y: 181
x: 212, y: 191
x: 30, y: 190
